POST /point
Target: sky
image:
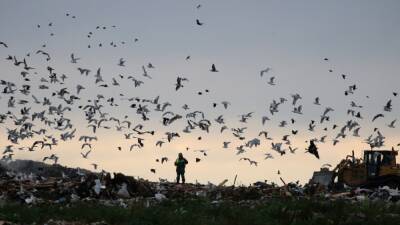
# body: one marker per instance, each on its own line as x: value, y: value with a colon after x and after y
x: 360, y: 38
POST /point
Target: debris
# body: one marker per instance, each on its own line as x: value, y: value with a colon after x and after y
x: 61, y: 185
x: 123, y: 191
x: 323, y: 177
x: 160, y: 197
x: 223, y: 183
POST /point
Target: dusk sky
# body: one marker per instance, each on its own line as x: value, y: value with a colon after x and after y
x: 360, y: 39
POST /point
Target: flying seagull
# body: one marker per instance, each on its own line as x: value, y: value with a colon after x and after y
x: 213, y: 68
x: 73, y: 59
x: 4, y: 44
x: 198, y: 22
x: 377, y: 116
x: 262, y: 72
x: 312, y: 149
x: 271, y: 81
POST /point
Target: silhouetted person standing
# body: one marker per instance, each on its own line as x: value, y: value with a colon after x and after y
x: 180, y: 164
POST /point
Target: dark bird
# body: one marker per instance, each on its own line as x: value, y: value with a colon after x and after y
x: 179, y: 81
x: 377, y: 116
x: 121, y: 62
x: 264, y: 71
x: 213, y: 68
x: 388, y: 106
x: 73, y: 59
x: 85, y: 155
x: 198, y: 22
x: 4, y: 44
x: 312, y: 149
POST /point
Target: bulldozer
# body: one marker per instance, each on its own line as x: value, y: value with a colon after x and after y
x: 376, y: 168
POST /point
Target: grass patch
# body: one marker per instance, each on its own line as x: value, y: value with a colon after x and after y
x: 200, y: 212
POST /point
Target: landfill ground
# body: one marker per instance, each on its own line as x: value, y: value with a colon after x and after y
x: 201, y: 211
x: 37, y: 193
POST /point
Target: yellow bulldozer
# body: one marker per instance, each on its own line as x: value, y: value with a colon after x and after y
x: 377, y: 168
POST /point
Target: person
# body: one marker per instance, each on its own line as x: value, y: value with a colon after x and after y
x: 378, y: 164
x: 180, y: 164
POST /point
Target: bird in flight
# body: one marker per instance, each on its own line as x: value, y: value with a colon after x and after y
x: 271, y: 81
x: 264, y: 71
x: 73, y: 59
x: 377, y: 116
x: 213, y: 68
x: 198, y: 22
x: 4, y: 44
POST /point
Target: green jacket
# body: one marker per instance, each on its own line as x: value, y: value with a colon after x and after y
x: 180, y: 164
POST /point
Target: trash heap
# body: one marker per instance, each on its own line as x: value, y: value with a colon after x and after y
x: 33, y: 182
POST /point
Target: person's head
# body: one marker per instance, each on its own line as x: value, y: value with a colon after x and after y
x: 180, y: 155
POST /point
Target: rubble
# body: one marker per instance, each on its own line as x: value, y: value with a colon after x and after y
x: 32, y: 182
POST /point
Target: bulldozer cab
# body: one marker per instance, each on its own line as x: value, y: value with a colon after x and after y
x: 374, y: 160
x: 377, y: 168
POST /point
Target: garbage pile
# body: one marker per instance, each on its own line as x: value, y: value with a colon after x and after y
x: 361, y: 194
x: 33, y: 182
